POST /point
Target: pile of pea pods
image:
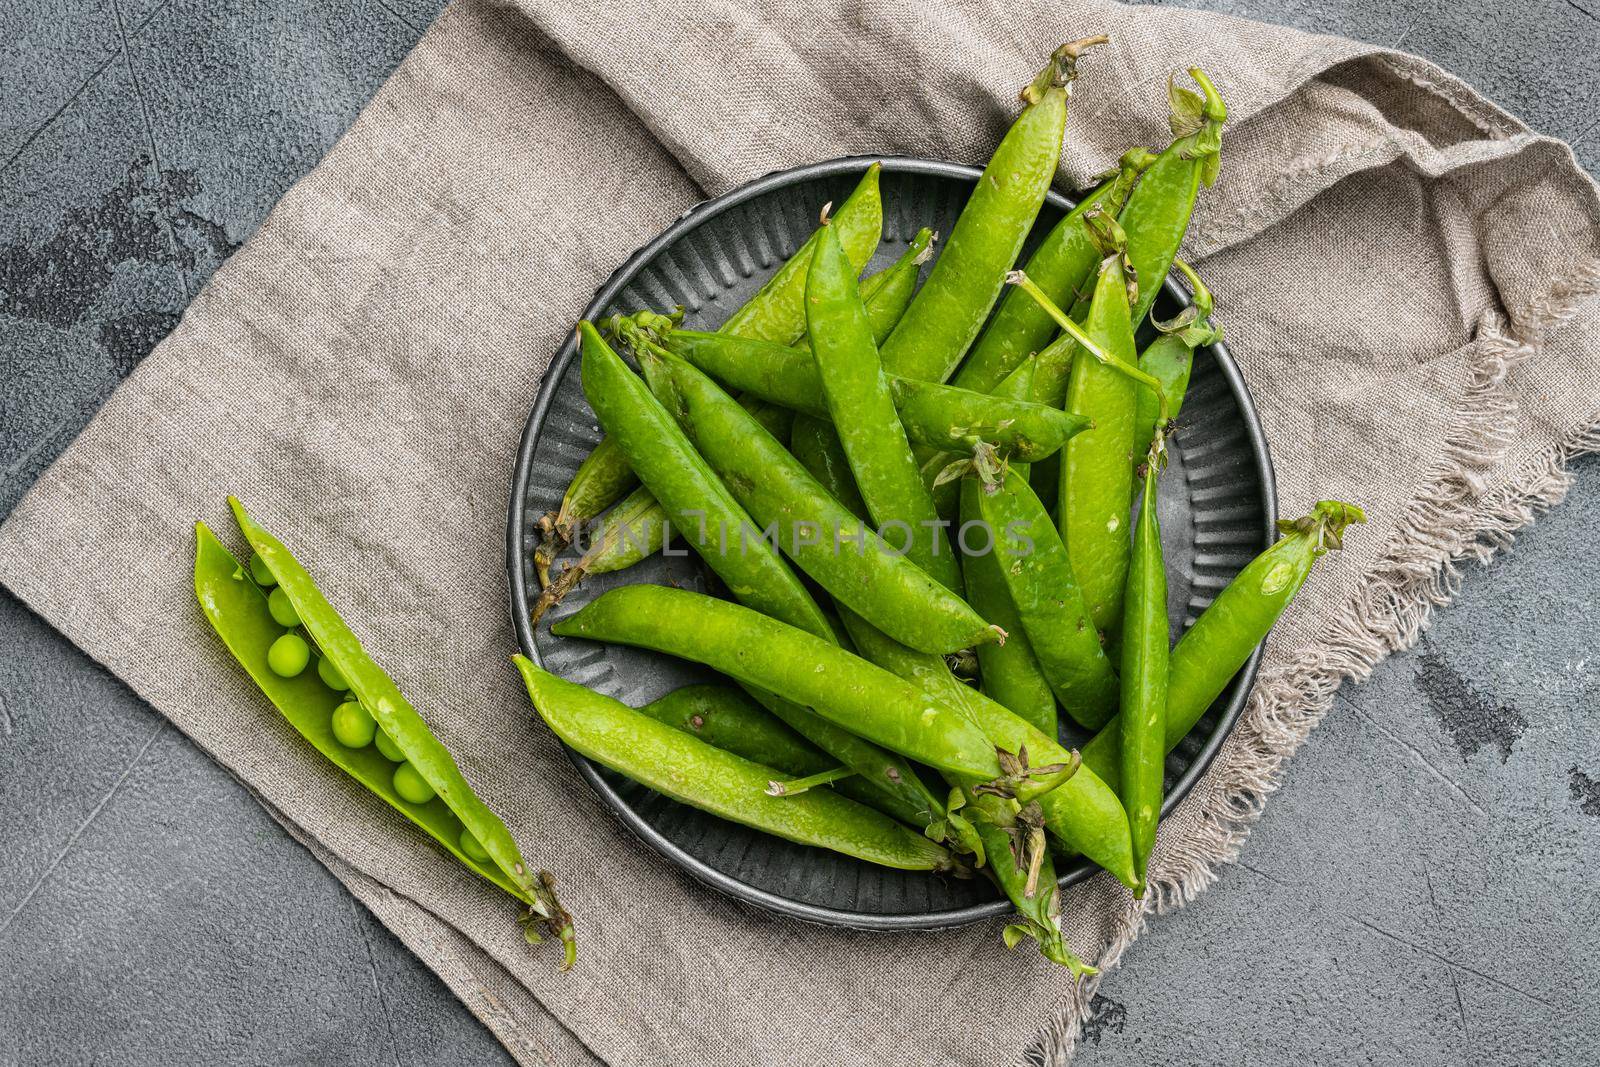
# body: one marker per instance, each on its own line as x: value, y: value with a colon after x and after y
x: 893, y: 692
x: 879, y: 414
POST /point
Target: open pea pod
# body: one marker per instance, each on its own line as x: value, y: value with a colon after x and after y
x: 238, y: 610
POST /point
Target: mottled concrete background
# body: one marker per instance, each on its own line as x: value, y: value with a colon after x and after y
x: 1423, y: 891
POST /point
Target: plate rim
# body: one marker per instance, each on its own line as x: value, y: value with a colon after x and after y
x: 517, y: 529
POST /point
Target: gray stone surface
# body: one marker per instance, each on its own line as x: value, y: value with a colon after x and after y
x: 1421, y: 891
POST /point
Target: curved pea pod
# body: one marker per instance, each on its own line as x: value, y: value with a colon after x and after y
x: 701, y: 507
x: 862, y: 407
x: 777, y: 658
x: 777, y: 311
x: 692, y: 772
x: 1207, y: 657
x: 1144, y: 675
x: 1169, y: 359
x: 1097, y: 465
x: 950, y: 308
x: 1009, y: 672
x: 1062, y: 264
x: 1034, y: 564
x: 236, y: 609
x: 934, y: 416
x: 841, y: 554
x: 1083, y: 811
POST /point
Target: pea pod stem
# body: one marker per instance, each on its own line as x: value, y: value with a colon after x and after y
x: 1021, y: 280
x: 793, y: 787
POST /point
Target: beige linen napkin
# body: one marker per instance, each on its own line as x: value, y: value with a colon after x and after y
x: 1401, y: 267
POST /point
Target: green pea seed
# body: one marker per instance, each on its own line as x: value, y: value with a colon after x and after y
x: 472, y: 846
x: 331, y: 676
x: 390, y: 750
x: 259, y: 571
x: 288, y: 655
x: 353, y: 725
x: 412, y: 787
x: 282, y: 609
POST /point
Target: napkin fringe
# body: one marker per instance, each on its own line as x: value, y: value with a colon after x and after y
x: 1452, y: 520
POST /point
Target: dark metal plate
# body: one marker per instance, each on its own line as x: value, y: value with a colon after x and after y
x: 1217, y: 506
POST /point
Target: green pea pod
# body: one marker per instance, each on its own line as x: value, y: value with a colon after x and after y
x: 1064, y: 263
x: 692, y: 772
x: 809, y: 670
x: 602, y: 479
x: 700, y: 507
x: 816, y: 445
x: 1144, y: 674
x: 934, y: 416
x: 1169, y: 359
x: 777, y: 311
x: 1097, y: 468
x: 1083, y: 811
x: 1034, y: 890
x: 1034, y: 564
x: 951, y: 306
x: 842, y: 555
x: 1010, y: 672
x: 1208, y: 656
x: 237, y: 610
x: 862, y: 407
x: 939, y: 416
